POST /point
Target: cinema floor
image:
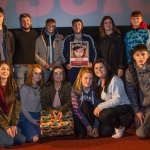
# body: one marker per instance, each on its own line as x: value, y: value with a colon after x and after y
x: 128, y: 142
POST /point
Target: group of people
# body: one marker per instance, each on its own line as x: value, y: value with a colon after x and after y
x: 105, y: 96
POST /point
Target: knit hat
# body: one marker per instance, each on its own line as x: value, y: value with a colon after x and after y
x: 77, y: 20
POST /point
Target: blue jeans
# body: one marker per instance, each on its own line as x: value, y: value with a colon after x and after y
x: 7, y: 141
x: 20, y: 73
x: 46, y: 75
x: 28, y: 129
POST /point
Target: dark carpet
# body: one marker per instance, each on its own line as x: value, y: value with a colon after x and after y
x: 128, y: 142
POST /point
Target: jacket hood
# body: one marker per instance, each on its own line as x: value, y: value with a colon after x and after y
x: 43, y: 32
x: 143, y: 25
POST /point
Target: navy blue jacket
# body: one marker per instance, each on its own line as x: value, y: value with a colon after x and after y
x: 65, y: 51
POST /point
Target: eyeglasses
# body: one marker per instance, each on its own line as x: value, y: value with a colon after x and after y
x: 51, y: 26
x: 58, y: 73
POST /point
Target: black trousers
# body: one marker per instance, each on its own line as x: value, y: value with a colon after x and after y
x: 111, y: 116
x: 80, y: 130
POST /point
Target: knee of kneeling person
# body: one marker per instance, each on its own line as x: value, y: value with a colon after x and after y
x: 7, y: 144
x: 141, y: 135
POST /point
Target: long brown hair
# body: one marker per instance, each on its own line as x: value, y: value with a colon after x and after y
x: 51, y: 77
x: 108, y: 77
x: 9, y: 93
x: 101, y: 27
x: 77, y: 84
x: 30, y: 75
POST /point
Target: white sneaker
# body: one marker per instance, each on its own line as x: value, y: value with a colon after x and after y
x: 118, y: 133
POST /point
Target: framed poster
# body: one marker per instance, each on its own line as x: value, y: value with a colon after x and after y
x: 79, y: 54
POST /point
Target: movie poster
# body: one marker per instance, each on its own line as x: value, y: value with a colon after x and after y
x: 79, y: 54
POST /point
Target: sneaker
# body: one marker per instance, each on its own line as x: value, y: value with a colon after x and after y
x: 118, y: 133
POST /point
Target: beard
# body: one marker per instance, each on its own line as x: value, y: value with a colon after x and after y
x: 79, y: 32
x: 26, y: 28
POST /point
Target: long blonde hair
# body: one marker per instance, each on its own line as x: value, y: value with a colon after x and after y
x: 77, y: 84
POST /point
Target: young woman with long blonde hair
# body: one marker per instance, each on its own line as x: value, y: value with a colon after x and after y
x: 83, y: 104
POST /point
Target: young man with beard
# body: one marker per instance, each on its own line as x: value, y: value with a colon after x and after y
x: 24, y: 48
x: 77, y: 36
x: 47, y: 48
x: 6, y: 40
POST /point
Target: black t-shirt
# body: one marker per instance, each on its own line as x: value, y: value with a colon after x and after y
x: 24, y: 47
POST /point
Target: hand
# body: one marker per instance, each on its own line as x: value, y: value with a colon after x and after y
x: 68, y: 66
x: 89, y: 130
x: 9, y: 131
x: 13, y: 130
x: 90, y: 65
x: 120, y: 72
x: 139, y: 117
x: 97, y: 111
x: 95, y: 132
x: 53, y: 65
x: 60, y: 115
x: 36, y: 122
x: 46, y: 66
x: 55, y: 113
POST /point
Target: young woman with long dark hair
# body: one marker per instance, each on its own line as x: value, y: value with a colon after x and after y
x: 111, y: 46
x: 56, y: 100
x: 110, y: 90
x: 9, y: 107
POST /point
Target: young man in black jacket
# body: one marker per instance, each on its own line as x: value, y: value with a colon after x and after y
x: 6, y: 40
x: 138, y: 89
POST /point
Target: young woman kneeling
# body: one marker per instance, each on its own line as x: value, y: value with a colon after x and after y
x: 115, y: 103
x: 30, y: 104
x: 9, y: 107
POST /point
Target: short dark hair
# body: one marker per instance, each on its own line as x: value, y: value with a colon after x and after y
x: 24, y: 15
x: 1, y: 10
x: 50, y: 20
x: 77, y: 20
x: 140, y: 47
x: 136, y: 14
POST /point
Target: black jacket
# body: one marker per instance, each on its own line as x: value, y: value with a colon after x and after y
x: 9, y: 43
x: 111, y: 48
x: 134, y: 87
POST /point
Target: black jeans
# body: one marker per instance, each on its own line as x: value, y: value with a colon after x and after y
x: 80, y: 130
x: 111, y: 116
